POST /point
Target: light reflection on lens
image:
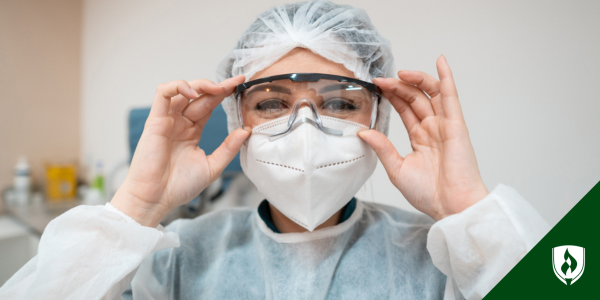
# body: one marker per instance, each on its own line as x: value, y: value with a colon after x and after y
x: 271, y: 100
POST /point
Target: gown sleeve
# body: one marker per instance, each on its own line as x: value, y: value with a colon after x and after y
x: 476, y: 248
x: 89, y: 252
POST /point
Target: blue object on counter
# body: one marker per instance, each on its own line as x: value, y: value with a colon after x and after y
x: 213, y: 135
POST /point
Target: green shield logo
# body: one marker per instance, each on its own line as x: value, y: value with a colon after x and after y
x: 568, y: 263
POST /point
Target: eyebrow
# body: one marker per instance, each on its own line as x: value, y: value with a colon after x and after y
x: 270, y: 88
x: 341, y: 86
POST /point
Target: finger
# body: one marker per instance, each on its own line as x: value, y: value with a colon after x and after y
x: 428, y: 84
x: 221, y: 157
x: 178, y: 104
x: 200, y: 86
x: 164, y: 93
x: 418, y: 101
x: 422, y: 80
x: 408, y: 116
x: 449, y: 95
x: 200, y: 125
x: 198, y: 108
x: 385, y: 150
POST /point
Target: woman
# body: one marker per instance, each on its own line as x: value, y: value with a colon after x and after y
x: 309, y: 109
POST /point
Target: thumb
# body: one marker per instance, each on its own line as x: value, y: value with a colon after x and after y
x: 223, y: 155
x: 385, y: 150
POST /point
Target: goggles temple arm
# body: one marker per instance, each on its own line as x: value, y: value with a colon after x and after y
x: 374, y: 109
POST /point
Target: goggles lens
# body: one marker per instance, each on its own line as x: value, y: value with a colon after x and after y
x: 264, y: 100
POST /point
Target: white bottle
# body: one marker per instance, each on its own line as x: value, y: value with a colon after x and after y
x: 22, y: 181
x: 95, y: 194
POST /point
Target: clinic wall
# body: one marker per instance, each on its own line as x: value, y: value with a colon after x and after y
x: 40, y: 46
x: 525, y: 72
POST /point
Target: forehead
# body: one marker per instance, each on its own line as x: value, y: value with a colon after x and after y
x: 302, y: 60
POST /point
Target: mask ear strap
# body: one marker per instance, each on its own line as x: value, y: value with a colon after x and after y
x: 293, y: 121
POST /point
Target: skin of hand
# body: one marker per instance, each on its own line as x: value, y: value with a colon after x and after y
x: 440, y: 177
x: 168, y: 168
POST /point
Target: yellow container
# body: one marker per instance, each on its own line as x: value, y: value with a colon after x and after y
x: 61, y: 182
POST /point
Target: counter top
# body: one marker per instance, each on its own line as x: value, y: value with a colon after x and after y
x: 38, y: 215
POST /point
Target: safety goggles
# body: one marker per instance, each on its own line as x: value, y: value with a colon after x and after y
x: 265, y: 99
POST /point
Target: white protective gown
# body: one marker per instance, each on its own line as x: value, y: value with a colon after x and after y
x: 380, y: 252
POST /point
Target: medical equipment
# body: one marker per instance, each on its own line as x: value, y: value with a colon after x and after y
x: 308, y: 174
x: 265, y: 99
x: 339, y: 33
x: 61, y: 182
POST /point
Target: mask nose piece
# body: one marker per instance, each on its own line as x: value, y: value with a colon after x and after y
x: 297, y: 118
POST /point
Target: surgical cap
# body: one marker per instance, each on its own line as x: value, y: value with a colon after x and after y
x: 339, y: 33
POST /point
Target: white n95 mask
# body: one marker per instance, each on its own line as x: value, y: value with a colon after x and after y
x: 308, y: 175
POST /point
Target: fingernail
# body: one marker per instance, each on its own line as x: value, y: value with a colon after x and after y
x: 405, y: 72
x: 444, y: 57
x: 196, y: 95
x: 217, y: 84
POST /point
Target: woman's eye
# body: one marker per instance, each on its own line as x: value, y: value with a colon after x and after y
x: 271, y: 106
x: 339, y: 105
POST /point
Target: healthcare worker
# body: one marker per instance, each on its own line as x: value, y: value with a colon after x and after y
x: 307, y: 91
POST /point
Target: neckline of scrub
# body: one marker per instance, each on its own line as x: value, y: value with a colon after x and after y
x: 299, y: 237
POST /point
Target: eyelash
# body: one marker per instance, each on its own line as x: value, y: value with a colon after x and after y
x: 351, y: 106
x: 258, y: 105
x: 349, y: 103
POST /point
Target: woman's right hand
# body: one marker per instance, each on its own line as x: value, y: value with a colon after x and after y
x: 168, y: 167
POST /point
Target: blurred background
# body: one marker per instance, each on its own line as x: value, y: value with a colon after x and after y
x: 77, y: 78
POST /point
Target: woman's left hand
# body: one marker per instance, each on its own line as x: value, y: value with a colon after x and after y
x: 440, y: 177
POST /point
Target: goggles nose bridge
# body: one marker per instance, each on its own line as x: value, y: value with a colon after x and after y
x: 313, y: 108
x: 294, y: 120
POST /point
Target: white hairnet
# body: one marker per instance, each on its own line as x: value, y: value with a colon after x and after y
x: 340, y: 33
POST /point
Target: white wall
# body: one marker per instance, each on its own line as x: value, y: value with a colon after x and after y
x: 526, y: 72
